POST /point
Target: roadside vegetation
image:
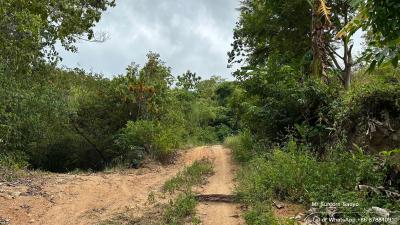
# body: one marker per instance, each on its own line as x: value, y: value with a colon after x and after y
x: 311, y: 131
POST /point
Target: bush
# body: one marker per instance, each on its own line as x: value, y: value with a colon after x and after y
x: 296, y: 175
x: 279, y: 100
x: 370, y: 112
x: 159, y: 141
x: 241, y: 145
x: 10, y: 163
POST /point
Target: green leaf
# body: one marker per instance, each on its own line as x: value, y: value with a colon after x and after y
x: 395, y: 61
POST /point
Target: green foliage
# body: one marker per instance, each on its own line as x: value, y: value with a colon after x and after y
x: 188, y: 81
x: 295, y: 175
x: 190, y: 176
x: 261, y: 214
x: 30, y: 29
x: 178, y: 211
x: 10, y: 164
x: 380, y: 20
x: 278, y: 102
x: 242, y: 146
x: 374, y: 101
x: 271, y: 27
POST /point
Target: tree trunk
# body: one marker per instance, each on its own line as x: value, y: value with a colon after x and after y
x: 347, y: 60
x: 319, y: 64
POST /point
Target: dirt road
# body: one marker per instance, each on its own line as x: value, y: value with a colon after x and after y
x: 85, y: 199
x: 222, y: 182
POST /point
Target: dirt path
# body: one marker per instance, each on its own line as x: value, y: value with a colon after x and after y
x: 86, y: 199
x: 222, y: 182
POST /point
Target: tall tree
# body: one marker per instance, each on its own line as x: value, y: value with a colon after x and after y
x: 29, y: 30
x: 320, y: 22
x: 188, y: 81
x: 381, y: 21
x: 267, y: 27
x: 342, y: 12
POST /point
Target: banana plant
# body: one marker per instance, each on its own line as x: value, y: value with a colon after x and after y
x: 321, y: 13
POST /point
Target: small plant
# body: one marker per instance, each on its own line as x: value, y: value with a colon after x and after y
x: 182, y: 208
x: 11, y: 166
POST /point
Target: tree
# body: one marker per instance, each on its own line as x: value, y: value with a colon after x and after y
x: 271, y: 27
x: 381, y: 21
x: 299, y: 34
x: 188, y: 81
x: 342, y: 13
x: 320, y: 22
x: 29, y: 30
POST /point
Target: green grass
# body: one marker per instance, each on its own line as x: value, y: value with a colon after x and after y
x: 241, y: 145
x: 192, y: 175
x: 182, y: 210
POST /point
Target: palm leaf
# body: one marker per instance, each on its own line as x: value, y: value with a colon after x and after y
x: 324, y: 10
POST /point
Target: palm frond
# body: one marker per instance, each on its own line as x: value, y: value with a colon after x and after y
x: 324, y: 10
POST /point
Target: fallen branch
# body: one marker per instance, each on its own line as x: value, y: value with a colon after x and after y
x: 215, y: 198
x: 378, y: 191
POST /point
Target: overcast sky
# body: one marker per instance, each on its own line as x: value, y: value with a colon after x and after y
x: 188, y: 34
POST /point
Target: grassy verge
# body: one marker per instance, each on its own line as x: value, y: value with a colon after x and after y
x: 293, y: 174
x: 181, y: 210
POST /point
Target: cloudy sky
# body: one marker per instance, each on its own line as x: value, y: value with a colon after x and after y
x: 188, y: 34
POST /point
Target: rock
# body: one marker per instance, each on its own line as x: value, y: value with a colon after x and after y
x: 4, y: 221
x: 31, y: 221
x: 15, y: 194
x: 380, y: 211
x: 278, y: 205
x: 300, y: 216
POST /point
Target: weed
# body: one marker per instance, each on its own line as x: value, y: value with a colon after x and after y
x: 182, y: 208
x: 192, y: 175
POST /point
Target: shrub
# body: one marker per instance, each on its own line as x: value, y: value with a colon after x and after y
x: 241, y: 145
x: 294, y: 174
x: 370, y: 112
x: 156, y: 139
x: 178, y: 211
x: 10, y: 163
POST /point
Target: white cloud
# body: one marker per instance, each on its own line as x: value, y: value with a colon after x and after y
x: 189, y: 34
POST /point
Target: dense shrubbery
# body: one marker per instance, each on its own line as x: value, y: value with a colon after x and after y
x: 61, y: 120
x: 314, y: 154
x: 370, y: 112
x: 294, y: 174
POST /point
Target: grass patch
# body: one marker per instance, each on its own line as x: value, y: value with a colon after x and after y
x: 12, y: 166
x: 182, y: 210
x: 192, y: 175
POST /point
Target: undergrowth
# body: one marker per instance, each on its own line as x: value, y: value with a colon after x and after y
x: 190, y: 176
x: 183, y: 208
x: 292, y: 173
